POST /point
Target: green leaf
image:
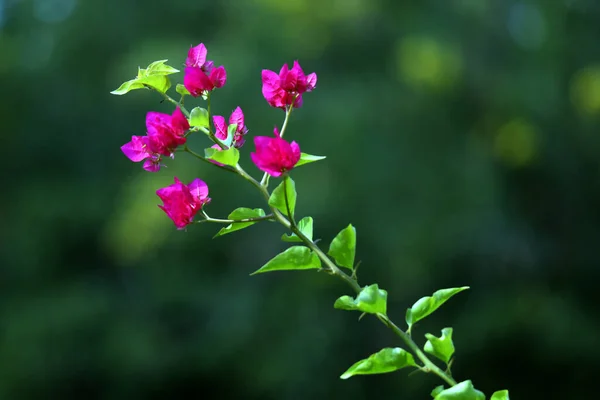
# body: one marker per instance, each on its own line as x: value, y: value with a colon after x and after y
x: 461, y: 391
x: 199, y: 117
x: 160, y: 68
x: 437, y: 390
x: 182, y: 90
x: 370, y: 300
x: 128, y: 86
x: 308, y: 158
x: 343, y: 247
x: 500, y: 395
x: 277, y: 198
x: 241, y: 213
x: 305, y: 226
x: 294, y: 258
x: 160, y: 83
x: 385, y: 360
x: 442, y: 347
x: 229, y: 157
x: 426, y: 305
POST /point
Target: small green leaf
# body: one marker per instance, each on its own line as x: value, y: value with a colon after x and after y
x: 442, y: 347
x: 461, y: 391
x: 308, y: 158
x: 241, y: 213
x: 160, y: 83
x: 371, y: 300
x: 437, y: 390
x: 277, y: 198
x: 426, y: 305
x: 294, y: 258
x: 182, y: 90
x: 160, y: 68
x: 500, y: 395
x: 127, y: 87
x: 305, y: 226
x: 229, y: 156
x: 385, y: 360
x: 343, y: 247
x: 199, y: 117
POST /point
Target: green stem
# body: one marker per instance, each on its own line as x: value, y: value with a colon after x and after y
x: 175, y: 102
x: 288, y: 111
x: 335, y: 270
x: 237, y: 221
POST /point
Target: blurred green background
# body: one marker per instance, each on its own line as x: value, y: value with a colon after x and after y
x: 463, y: 142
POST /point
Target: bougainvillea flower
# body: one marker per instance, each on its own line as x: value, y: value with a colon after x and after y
x: 221, y: 128
x: 197, y: 81
x: 138, y: 150
x: 275, y: 155
x: 196, y: 56
x: 182, y: 202
x: 165, y: 133
x: 286, y: 88
x: 200, y: 73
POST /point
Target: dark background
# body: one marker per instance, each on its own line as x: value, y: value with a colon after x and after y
x: 463, y: 142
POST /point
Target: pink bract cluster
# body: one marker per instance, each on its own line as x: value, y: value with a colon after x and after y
x: 286, y: 88
x: 182, y: 202
x: 274, y: 155
x: 200, y: 73
x: 164, y: 133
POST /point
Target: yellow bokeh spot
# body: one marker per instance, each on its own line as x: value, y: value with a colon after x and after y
x: 585, y: 90
x: 139, y: 224
x: 424, y: 61
x: 516, y: 143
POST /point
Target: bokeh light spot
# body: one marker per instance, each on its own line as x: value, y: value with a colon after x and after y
x: 53, y: 11
x: 526, y: 25
x: 424, y: 61
x: 585, y: 90
x: 516, y: 143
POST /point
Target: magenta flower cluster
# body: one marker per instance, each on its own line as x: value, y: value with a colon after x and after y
x: 165, y: 133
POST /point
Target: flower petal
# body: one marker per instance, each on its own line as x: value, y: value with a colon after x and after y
x: 218, y: 76
x: 196, y: 56
x: 136, y: 150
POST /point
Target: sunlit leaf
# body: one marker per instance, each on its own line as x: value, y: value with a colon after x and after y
x: 500, y: 395
x: 308, y: 158
x: 160, y: 68
x: 461, y: 391
x: 343, y: 247
x: 294, y: 258
x: 229, y: 156
x: 437, y: 390
x: 182, y: 90
x: 370, y: 300
x: 278, y: 197
x: 385, y: 360
x: 305, y: 226
x: 426, y: 305
x: 241, y: 213
x: 199, y: 117
x: 442, y: 347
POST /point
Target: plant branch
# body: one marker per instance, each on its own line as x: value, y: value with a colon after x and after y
x: 268, y: 217
x: 175, y: 102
